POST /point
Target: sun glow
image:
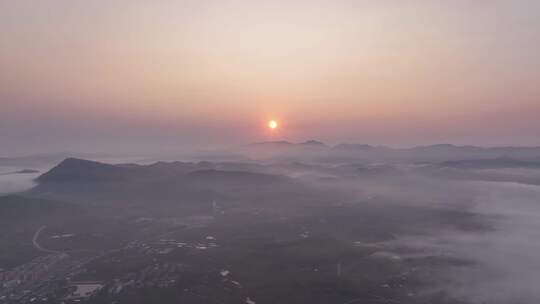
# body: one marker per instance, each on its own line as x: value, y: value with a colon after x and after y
x: 272, y: 124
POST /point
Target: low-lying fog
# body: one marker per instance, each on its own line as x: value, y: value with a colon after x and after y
x: 506, y: 259
x: 11, y: 181
x: 498, y: 261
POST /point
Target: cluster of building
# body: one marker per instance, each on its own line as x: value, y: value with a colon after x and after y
x: 165, y: 246
x: 156, y: 275
x: 27, y: 279
x: 29, y: 272
x: 82, y: 290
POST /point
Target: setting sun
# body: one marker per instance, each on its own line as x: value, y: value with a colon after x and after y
x: 272, y: 124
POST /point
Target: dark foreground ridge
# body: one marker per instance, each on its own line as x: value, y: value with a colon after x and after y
x: 80, y: 170
x: 74, y: 169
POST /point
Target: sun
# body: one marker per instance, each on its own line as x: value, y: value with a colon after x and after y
x: 272, y: 124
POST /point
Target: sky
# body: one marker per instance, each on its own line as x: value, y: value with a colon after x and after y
x: 110, y: 75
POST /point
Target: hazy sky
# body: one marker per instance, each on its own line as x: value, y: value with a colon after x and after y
x: 83, y: 74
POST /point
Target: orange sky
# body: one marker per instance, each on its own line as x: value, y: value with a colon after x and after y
x: 210, y: 72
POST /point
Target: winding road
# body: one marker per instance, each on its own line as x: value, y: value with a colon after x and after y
x: 38, y: 246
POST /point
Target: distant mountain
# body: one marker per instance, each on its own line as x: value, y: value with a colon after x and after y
x: 495, y: 163
x: 318, y: 151
x: 453, y: 152
x: 191, y: 186
x: 286, y: 144
x: 353, y: 147
x: 313, y: 143
x: 439, y: 152
x: 280, y: 143
x: 80, y: 170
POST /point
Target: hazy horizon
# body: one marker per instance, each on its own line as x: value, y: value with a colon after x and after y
x: 124, y: 75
